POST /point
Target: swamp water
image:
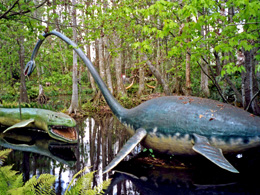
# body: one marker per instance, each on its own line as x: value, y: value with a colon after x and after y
x: 101, y: 137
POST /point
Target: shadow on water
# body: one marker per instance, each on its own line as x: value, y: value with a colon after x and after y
x: 100, y: 138
x: 187, y: 175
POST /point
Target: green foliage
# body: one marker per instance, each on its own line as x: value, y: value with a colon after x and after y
x: 150, y: 151
x: 230, y: 68
x: 89, y: 107
x: 3, y: 155
x: 83, y: 185
x: 127, y: 101
x: 26, y: 105
x: 133, y: 89
x: 12, y: 183
x: 43, y: 185
x: 164, y: 30
x: 88, y: 91
x: 59, y: 79
x: 9, y: 179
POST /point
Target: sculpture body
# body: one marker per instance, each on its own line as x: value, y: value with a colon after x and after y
x: 177, y: 125
x: 58, y: 125
x: 171, y: 121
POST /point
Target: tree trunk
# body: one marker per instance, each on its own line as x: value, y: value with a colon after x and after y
x: 106, y: 56
x: 118, y: 67
x: 228, y: 80
x: 55, y: 18
x: 101, y: 59
x: 107, y: 65
x: 158, y: 54
x: 42, y: 99
x: 157, y: 75
x: 23, y: 91
x: 188, y: 81
x: 75, y: 97
x: 88, y: 51
x: 188, y: 53
x: 141, y: 82
x: 92, y: 81
x: 204, y: 81
x: 249, y: 83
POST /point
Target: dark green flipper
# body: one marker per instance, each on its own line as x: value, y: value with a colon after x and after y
x: 20, y: 125
x: 127, y: 148
x: 203, y: 147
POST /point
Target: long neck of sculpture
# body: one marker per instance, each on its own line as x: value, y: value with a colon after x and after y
x: 111, y: 101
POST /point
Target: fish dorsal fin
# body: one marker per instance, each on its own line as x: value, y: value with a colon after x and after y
x: 127, y: 148
x: 20, y: 125
x: 215, y: 155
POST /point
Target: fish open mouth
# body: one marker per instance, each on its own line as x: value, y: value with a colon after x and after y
x: 68, y: 133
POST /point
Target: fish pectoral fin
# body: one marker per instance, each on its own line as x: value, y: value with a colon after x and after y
x: 215, y: 155
x: 20, y: 125
x: 127, y: 148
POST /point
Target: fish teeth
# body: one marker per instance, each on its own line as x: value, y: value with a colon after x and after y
x: 60, y: 127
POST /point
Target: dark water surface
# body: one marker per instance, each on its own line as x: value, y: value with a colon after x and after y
x: 101, y: 137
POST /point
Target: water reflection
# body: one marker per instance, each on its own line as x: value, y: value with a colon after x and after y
x: 188, y: 175
x: 100, y: 139
x: 39, y: 143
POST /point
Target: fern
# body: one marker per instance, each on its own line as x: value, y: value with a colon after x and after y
x: 74, y: 177
x: 9, y: 178
x: 4, y: 154
x: 99, y: 189
x: 12, y: 183
x: 83, y: 185
x: 42, y: 185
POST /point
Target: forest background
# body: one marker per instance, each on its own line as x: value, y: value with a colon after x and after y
x: 206, y: 48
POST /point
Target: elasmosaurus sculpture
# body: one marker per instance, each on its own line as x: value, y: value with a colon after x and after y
x: 58, y: 125
x: 176, y: 124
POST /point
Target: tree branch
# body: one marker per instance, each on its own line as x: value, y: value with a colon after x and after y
x: 157, y: 74
x: 23, y: 12
x: 4, y: 14
x: 248, y: 106
x: 214, y: 82
x: 237, y: 93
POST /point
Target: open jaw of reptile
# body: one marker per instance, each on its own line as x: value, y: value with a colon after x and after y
x: 58, y: 125
x: 64, y: 132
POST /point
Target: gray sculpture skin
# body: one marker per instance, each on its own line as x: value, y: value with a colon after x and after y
x: 177, y: 124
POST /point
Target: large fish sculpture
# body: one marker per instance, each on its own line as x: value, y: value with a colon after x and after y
x: 176, y: 124
x: 58, y: 125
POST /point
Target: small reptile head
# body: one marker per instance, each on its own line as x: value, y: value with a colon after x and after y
x: 29, y: 68
x: 61, y: 126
